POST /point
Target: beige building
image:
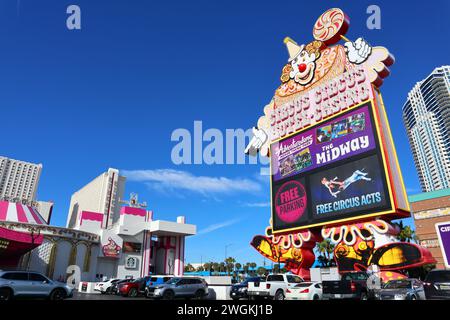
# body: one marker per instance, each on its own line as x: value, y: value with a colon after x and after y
x: 45, y: 209
x: 101, y: 195
x: 18, y: 180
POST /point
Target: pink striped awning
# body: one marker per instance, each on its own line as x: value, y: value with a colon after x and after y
x: 17, y: 212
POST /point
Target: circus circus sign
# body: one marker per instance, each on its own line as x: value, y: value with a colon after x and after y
x: 333, y: 97
x: 321, y: 78
x: 333, y: 162
x: 326, y: 130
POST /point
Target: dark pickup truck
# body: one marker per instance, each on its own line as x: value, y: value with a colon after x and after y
x: 353, y: 285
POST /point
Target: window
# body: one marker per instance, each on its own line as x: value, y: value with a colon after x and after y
x: 132, y: 247
x: 138, y: 280
x: 439, y: 276
x: 355, y: 276
x: 294, y: 279
x: 303, y: 285
x: 174, y: 281
x: 196, y: 281
x: 275, y: 277
x: 37, y: 277
x: 18, y: 276
x: 398, y: 284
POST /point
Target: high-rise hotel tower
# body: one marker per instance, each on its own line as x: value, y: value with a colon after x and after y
x: 426, y: 115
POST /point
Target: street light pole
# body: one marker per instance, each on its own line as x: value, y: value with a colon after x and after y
x: 226, y: 247
x: 225, y: 260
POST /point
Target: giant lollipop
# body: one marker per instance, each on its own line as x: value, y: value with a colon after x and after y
x: 331, y: 26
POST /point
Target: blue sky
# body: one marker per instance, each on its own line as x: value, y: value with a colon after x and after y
x: 111, y: 94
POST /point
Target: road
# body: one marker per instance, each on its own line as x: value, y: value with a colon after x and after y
x: 88, y: 296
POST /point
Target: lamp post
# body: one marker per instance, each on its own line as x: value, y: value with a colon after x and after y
x: 226, y: 247
x: 225, y: 260
x: 33, y: 237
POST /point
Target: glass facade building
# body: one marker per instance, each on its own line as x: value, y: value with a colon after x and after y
x: 426, y: 115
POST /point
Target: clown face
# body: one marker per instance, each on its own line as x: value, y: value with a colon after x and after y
x: 303, y: 67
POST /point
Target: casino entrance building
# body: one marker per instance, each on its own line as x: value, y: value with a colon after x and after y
x: 115, y: 239
x: 18, y: 234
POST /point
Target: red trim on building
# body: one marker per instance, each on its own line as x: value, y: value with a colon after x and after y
x: 3, y: 210
x: 23, y: 237
x: 92, y: 216
x: 133, y: 211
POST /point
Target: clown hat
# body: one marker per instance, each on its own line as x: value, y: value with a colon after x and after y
x: 293, y: 48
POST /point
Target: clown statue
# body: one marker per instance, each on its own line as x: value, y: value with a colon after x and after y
x: 334, y: 171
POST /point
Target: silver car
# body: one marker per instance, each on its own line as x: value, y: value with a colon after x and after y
x: 181, y: 287
x: 404, y: 289
x: 31, y: 284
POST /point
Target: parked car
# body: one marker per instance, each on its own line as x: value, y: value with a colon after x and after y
x: 404, y: 289
x: 31, y: 284
x: 153, y: 282
x: 115, y: 285
x: 437, y: 284
x: 239, y: 290
x: 353, y: 285
x: 275, y: 286
x: 133, y: 288
x: 186, y: 287
x: 105, y: 286
x: 305, y: 291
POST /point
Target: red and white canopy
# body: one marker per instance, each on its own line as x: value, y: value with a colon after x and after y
x: 17, y: 212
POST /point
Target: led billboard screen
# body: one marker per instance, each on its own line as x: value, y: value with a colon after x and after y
x: 330, y: 172
x: 352, y: 187
x: 340, y: 138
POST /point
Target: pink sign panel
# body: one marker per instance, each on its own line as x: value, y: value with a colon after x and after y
x: 290, y: 201
x: 443, y: 232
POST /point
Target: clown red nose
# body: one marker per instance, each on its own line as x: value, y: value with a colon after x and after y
x: 302, y: 67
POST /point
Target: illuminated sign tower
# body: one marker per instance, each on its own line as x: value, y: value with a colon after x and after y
x: 334, y: 168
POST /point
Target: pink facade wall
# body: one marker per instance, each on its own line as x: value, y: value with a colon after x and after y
x: 133, y: 211
x: 92, y: 216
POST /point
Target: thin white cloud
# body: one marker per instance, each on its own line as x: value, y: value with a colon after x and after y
x: 217, y: 226
x: 263, y: 178
x: 169, y: 179
x: 257, y: 204
x: 244, y: 248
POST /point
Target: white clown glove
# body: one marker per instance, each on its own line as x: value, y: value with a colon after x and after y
x: 358, y: 51
x: 257, y: 141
